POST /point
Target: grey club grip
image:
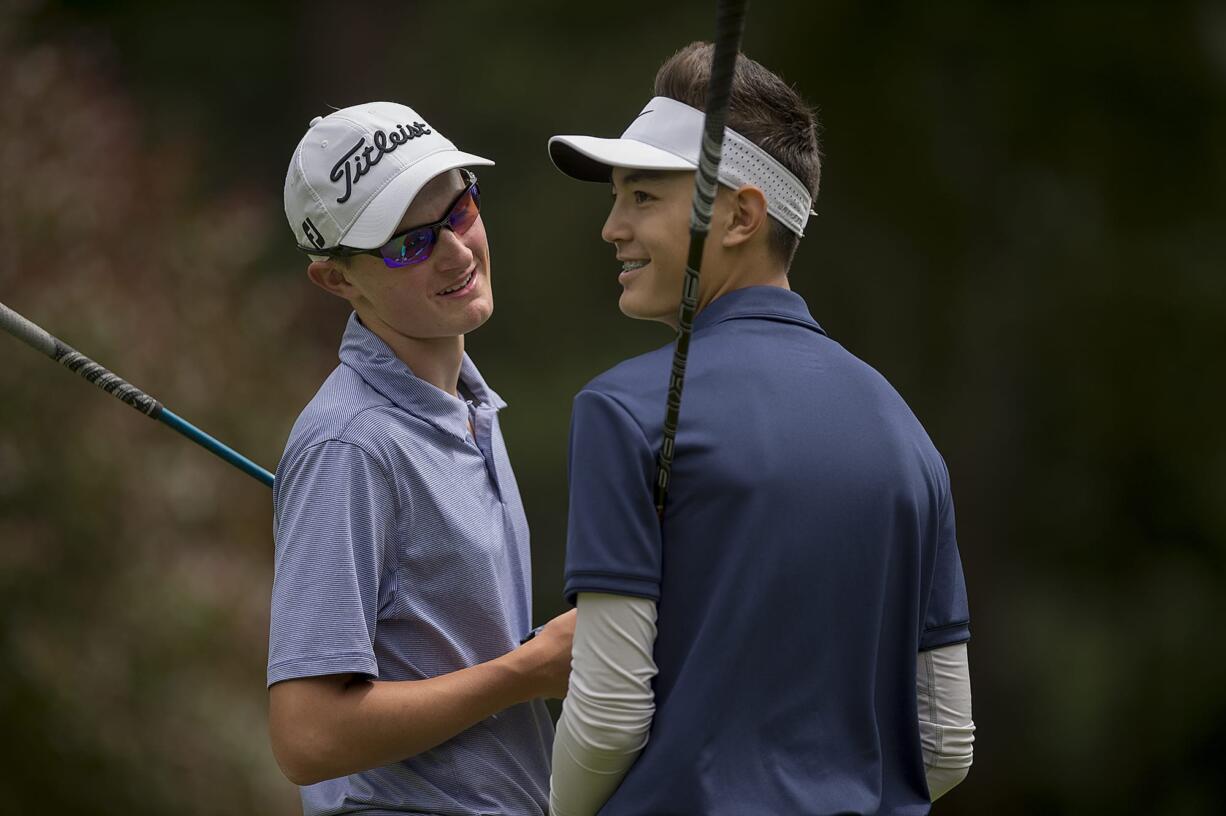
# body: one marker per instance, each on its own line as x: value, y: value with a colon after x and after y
x: 26, y: 332
x: 64, y: 354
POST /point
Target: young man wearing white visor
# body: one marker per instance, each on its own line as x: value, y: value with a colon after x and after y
x: 403, y: 583
x: 790, y: 637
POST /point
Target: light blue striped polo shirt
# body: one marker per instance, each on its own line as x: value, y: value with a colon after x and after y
x: 402, y: 553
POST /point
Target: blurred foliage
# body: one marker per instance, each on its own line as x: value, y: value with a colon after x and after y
x: 1021, y: 227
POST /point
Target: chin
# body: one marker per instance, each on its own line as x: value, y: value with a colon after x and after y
x: 636, y: 309
x: 480, y: 311
x: 626, y: 305
x: 631, y: 304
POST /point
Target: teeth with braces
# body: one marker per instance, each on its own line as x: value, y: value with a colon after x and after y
x: 629, y: 265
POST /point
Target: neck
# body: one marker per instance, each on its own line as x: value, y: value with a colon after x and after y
x: 740, y: 272
x: 436, y: 360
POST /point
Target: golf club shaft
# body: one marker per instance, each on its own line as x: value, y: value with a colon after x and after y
x: 41, y: 340
x: 730, y: 20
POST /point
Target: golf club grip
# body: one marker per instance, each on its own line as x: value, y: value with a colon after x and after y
x: 730, y: 22
x: 27, y: 332
x: 40, y: 339
x: 109, y: 382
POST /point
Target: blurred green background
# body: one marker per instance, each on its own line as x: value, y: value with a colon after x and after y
x: 1022, y: 226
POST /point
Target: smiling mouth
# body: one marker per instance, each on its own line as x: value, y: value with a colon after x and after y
x: 630, y: 266
x: 463, y: 283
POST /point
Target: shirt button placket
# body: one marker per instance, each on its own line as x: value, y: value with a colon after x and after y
x: 483, y: 422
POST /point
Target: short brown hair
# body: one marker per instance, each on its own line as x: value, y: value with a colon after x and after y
x: 762, y: 108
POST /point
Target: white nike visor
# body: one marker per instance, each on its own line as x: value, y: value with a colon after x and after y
x: 667, y: 135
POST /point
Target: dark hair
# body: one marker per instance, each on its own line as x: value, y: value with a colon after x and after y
x: 762, y: 108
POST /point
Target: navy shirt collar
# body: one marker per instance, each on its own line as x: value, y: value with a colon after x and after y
x: 765, y: 302
x: 378, y: 365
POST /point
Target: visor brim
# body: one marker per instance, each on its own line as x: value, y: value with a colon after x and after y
x: 589, y: 158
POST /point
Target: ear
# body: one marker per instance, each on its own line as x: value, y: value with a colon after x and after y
x: 332, y: 276
x: 746, y: 217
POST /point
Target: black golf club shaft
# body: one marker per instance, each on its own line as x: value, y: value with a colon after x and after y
x: 730, y: 21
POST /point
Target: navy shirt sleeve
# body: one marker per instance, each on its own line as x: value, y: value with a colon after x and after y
x: 335, y: 515
x: 947, y: 619
x: 613, y: 534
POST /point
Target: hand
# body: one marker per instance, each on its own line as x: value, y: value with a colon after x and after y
x: 550, y: 655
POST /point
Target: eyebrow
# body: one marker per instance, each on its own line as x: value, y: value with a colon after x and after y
x: 643, y: 175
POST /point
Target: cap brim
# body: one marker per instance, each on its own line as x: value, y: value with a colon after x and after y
x: 589, y: 158
x: 382, y: 215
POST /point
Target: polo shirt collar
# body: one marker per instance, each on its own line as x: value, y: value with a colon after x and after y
x: 378, y: 365
x: 766, y: 302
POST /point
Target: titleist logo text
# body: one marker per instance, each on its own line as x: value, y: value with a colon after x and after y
x: 365, y: 156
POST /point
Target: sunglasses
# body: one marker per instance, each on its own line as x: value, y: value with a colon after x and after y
x: 414, y: 245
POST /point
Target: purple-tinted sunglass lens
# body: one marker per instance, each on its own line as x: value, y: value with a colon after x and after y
x: 465, y: 211
x: 412, y: 248
x: 415, y: 246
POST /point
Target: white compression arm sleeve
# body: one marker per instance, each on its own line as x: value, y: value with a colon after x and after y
x: 947, y: 733
x: 606, y: 718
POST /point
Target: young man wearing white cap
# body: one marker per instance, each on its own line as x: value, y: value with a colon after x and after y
x: 790, y: 636
x: 402, y: 582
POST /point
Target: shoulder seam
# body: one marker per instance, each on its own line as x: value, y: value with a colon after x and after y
x: 391, y: 483
x: 345, y: 428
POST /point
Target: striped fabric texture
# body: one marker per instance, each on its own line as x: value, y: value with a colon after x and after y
x: 401, y: 554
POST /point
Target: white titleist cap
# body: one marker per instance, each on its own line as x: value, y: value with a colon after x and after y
x: 357, y: 170
x: 667, y: 135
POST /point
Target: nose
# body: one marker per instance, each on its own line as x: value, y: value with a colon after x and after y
x: 450, y: 251
x: 616, y: 229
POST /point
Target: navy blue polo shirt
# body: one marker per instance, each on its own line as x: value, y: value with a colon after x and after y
x: 807, y: 554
